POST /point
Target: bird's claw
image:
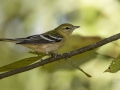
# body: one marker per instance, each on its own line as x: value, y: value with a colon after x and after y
x: 55, y: 55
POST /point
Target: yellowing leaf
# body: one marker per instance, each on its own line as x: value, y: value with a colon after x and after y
x: 20, y: 63
x: 115, y: 66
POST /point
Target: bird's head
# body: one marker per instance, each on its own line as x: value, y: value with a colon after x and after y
x: 66, y: 28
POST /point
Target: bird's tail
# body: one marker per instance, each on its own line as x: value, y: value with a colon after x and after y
x: 9, y: 40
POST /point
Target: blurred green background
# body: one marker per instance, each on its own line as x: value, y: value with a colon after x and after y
x: 98, y: 19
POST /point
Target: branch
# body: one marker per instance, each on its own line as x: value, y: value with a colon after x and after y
x: 58, y: 57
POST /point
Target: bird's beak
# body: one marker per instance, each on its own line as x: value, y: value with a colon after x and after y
x: 76, y: 27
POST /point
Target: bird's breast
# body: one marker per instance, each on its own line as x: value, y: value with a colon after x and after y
x: 45, y: 48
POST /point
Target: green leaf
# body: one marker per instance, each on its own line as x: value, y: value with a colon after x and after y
x: 114, y: 66
x: 77, y: 67
x: 37, y: 53
x: 20, y: 63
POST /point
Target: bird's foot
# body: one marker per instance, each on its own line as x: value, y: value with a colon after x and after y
x: 54, y: 54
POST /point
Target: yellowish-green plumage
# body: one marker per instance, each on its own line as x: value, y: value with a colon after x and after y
x: 48, y: 42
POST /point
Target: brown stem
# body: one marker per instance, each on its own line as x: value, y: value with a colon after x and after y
x: 58, y: 57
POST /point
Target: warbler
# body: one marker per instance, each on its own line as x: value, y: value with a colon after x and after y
x: 48, y: 42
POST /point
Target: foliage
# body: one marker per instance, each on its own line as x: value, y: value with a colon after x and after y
x: 114, y: 66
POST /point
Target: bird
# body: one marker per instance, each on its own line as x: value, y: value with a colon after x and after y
x: 48, y: 42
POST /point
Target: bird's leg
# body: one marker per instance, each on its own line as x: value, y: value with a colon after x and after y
x: 52, y: 54
x: 37, y: 54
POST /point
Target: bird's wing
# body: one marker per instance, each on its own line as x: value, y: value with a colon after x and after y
x: 41, y: 39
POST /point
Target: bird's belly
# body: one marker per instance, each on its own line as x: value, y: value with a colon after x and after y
x: 45, y: 48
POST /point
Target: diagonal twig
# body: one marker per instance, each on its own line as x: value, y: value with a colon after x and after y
x: 58, y: 57
x: 77, y: 67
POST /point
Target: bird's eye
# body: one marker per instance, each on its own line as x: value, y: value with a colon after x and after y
x: 67, y: 28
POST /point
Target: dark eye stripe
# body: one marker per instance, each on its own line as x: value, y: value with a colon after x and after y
x: 67, y: 28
